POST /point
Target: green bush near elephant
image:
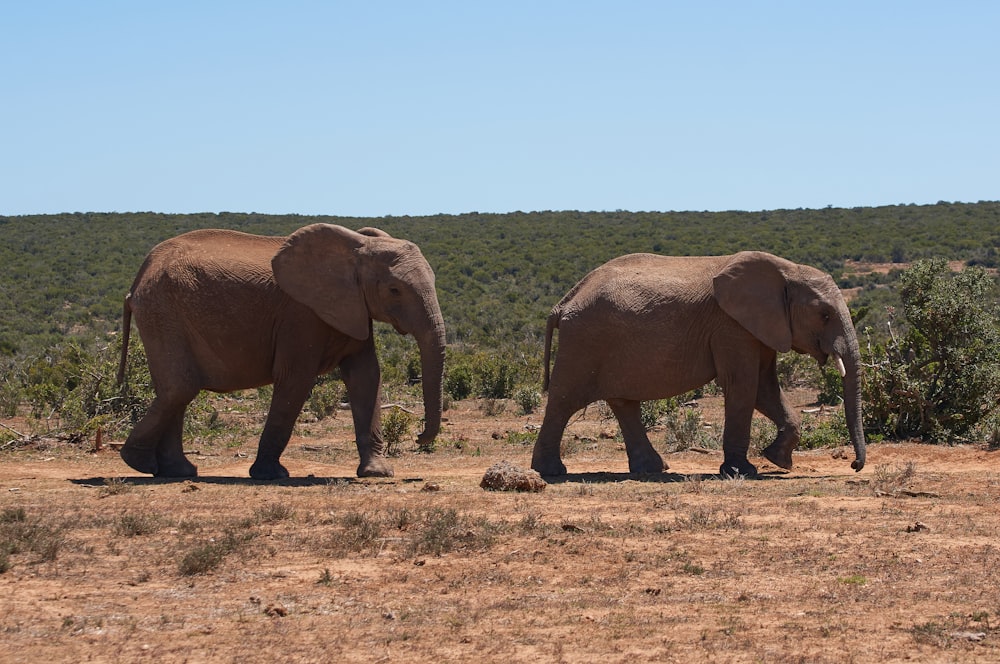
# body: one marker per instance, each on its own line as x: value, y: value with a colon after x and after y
x: 528, y: 399
x: 459, y: 379
x: 684, y: 428
x: 495, y: 377
x: 491, y: 375
x: 396, y: 427
x: 819, y: 432
x: 935, y: 373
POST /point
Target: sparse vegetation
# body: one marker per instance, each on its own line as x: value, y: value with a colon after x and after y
x: 684, y: 429
x: 707, y: 557
x: 21, y: 533
x: 828, y: 431
x: 528, y: 398
x: 136, y: 524
x: 396, y: 427
x: 206, y: 556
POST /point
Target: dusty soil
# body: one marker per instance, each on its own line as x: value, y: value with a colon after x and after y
x: 898, y: 562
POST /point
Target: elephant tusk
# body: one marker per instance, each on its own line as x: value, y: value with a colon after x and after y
x: 839, y: 361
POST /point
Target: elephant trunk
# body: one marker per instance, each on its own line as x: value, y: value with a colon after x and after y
x: 848, y: 356
x: 431, y: 343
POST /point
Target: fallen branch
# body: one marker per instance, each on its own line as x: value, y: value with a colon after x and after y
x: 14, y: 431
x: 396, y: 405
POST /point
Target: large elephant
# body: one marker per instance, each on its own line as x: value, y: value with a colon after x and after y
x: 644, y: 327
x: 221, y: 310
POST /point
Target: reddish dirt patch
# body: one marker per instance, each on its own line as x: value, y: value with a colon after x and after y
x: 898, y: 562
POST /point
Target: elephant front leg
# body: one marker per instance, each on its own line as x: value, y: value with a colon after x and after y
x: 772, y: 403
x: 286, y: 404
x: 737, y: 366
x: 363, y: 380
x: 642, y: 457
x: 736, y: 441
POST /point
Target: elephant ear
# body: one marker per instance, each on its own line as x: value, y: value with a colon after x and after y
x: 751, y: 289
x: 318, y: 266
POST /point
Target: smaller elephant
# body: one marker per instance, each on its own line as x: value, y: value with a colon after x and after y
x: 645, y: 326
x: 221, y: 310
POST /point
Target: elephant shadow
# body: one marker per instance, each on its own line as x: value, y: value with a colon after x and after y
x: 655, y: 478
x: 307, y: 481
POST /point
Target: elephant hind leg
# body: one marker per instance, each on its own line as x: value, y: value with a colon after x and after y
x: 157, y: 437
x: 170, y: 459
x: 286, y: 403
x: 546, y: 457
x: 642, y: 457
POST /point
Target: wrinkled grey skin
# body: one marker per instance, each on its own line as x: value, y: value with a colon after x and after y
x: 221, y: 310
x: 644, y: 327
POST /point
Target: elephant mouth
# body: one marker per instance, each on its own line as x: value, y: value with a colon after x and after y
x: 838, y: 362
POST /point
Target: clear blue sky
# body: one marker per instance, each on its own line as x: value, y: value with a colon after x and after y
x: 375, y: 108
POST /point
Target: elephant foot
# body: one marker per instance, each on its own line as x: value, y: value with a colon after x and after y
x: 375, y: 467
x: 181, y: 468
x: 548, y: 468
x: 647, y: 466
x: 742, y: 468
x: 780, y: 456
x: 268, y: 470
x: 139, y: 459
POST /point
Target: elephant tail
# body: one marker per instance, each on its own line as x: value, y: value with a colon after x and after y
x: 126, y: 332
x: 550, y: 326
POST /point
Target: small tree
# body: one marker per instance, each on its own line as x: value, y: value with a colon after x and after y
x: 941, y: 377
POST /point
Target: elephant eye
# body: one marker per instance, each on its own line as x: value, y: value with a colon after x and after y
x: 393, y: 290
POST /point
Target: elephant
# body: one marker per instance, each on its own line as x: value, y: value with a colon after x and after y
x: 222, y: 310
x: 646, y: 326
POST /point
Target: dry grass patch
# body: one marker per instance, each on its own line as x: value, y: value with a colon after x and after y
x: 816, y: 565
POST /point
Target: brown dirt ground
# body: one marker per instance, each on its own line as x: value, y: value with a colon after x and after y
x: 899, y: 562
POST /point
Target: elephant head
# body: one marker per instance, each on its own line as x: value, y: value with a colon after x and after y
x: 787, y: 306
x: 349, y: 278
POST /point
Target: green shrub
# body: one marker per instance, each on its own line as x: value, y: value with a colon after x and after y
x: 396, y: 427
x: 80, y: 386
x: 523, y: 438
x: 495, y: 377
x: 528, y: 399
x: 824, y: 432
x: 458, y: 381
x: 10, y: 391
x: 940, y: 378
x: 651, y: 412
x: 762, y: 433
x: 684, y: 429
x: 325, y: 397
x: 831, y: 386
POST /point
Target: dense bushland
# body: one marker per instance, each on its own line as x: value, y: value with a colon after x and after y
x: 497, y: 274
x: 64, y: 277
